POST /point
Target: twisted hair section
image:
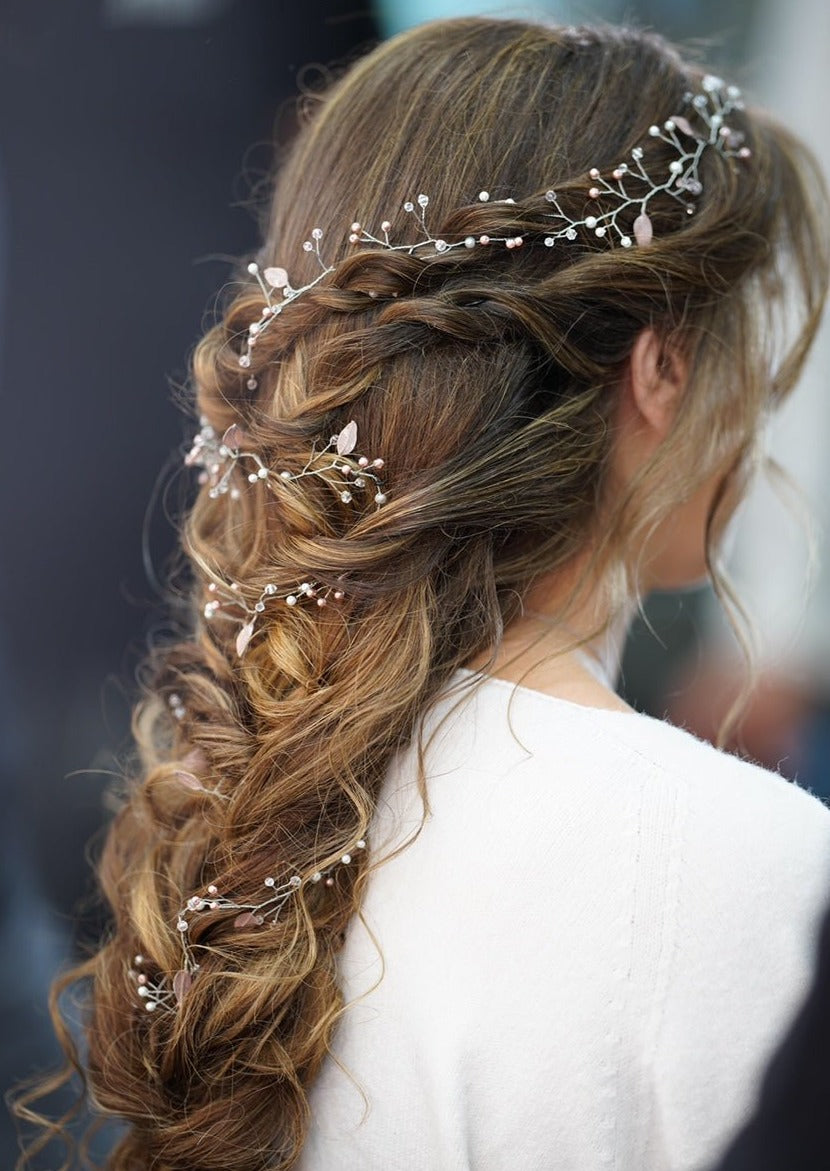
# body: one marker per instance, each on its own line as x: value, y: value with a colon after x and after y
x: 486, y: 379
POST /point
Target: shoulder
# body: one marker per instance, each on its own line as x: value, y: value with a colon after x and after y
x: 739, y: 832
x: 500, y: 721
x: 735, y: 809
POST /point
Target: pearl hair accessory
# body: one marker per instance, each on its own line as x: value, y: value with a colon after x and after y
x: 682, y: 181
x: 347, y: 473
x: 218, y: 459
x: 157, y: 993
x: 229, y: 597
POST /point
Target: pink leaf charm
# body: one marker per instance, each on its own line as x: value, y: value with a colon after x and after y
x: 643, y: 231
x: 189, y: 781
x: 277, y: 278
x: 347, y: 439
x: 683, y: 124
x: 243, y: 638
x: 196, y: 760
x: 247, y: 919
x: 182, y: 982
x: 234, y: 437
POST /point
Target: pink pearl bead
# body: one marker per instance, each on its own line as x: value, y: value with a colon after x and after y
x: 594, y: 193
x: 484, y: 239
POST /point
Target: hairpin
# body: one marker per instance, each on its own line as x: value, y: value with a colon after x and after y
x: 226, y: 598
x: 681, y: 182
x: 219, y: 457
x: 158, y: 993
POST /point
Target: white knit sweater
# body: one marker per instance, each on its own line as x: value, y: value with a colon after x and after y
x: 590, y: 950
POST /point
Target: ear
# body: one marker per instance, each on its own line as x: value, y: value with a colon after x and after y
x: 656, y: 379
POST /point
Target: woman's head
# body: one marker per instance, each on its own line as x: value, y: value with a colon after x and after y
x: 494, y: 383
x: 489, y: 378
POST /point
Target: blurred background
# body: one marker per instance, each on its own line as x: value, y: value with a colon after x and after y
x: 134, y: 136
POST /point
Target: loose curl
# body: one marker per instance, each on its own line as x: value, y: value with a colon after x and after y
x: 487, y: 380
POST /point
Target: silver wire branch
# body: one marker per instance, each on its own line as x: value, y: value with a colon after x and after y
x: 159, y: 993
x: 682, y: 182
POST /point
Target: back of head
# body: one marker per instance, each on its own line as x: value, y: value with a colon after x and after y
x: 484, y: 377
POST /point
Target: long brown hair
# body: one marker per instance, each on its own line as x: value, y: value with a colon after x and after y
x: 486, y: 379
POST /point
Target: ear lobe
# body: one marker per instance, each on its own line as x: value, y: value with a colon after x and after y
x: 656, y: 378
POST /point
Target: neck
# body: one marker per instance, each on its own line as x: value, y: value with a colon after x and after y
x: 567, y: 642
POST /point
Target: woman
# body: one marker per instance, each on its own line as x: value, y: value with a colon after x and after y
x: 498, y: 370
